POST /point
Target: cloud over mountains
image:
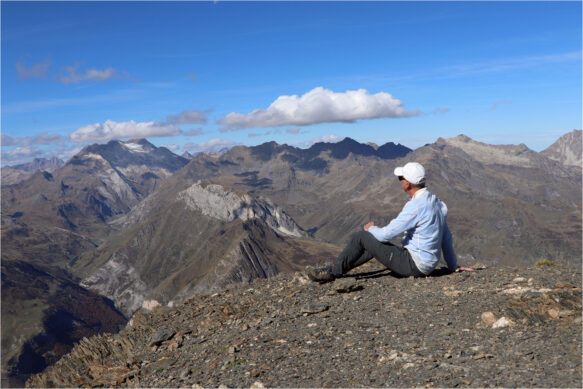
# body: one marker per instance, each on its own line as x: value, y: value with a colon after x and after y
x: 102, y: 132
x: 319, y: 105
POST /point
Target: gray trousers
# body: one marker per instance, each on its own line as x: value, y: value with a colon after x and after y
x: 363, y: 246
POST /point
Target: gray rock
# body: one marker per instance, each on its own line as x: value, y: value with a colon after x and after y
x: 161, y: 336
x: 346, y: 285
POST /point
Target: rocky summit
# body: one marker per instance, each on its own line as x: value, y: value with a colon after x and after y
x: 496, y: 326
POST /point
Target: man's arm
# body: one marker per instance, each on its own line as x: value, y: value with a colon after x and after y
x: 403, y: 222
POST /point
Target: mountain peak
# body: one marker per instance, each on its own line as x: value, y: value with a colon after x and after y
x: 567, y: 149
x: 517, y: 155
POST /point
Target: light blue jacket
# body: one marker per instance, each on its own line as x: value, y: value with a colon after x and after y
x: 423, y: 220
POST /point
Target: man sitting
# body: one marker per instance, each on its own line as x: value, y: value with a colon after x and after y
x: 423, y: 220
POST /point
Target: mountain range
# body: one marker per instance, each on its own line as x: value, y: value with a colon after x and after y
x: 13, y: 174
x: 143, y: 227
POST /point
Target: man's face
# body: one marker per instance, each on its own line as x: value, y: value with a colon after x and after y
x: 404, y: 183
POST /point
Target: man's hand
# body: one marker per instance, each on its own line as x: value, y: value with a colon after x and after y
x: 368, y: 225
x: 462, y: 268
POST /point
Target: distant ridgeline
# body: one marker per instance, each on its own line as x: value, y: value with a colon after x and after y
x: 141, y: 227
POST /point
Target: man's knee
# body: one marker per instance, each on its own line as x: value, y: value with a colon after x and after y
x: 361, y: 234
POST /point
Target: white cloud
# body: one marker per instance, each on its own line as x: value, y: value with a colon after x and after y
x: 172, y: 148
x: 103, y: 132
x: 38, y: 70
x: 319, y: 105
x: 20, y: 155
x: 72, y: 77
x: 189, y: 117
x: 212, y: 146
x: 66, y: 154
x: 330, y: 138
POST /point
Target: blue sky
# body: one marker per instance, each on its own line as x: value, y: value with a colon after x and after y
x: 198, y: 76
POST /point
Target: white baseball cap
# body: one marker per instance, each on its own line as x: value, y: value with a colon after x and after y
x: 413, y: 172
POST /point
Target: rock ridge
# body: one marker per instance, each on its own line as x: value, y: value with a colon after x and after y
x: 505, y: 327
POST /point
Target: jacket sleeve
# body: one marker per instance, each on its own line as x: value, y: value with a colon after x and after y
x: 403, y: 222
x: 447, y: 248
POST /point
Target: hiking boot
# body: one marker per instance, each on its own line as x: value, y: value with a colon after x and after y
x: 320, y: 273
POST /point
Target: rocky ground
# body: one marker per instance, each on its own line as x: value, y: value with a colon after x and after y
x: 506, y: 327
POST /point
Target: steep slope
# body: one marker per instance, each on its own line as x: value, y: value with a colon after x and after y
x: 498, y: 326
x: 183, y: 242
x: 43, y: 316
x: 567, y: 149
x: 53, y: 217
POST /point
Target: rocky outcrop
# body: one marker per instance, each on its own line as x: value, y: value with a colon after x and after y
x: 493, y: 327
x: 217, y: 202
x: 567, y: 149
x: 194, y: 241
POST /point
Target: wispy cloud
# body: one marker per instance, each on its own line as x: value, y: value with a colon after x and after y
x: 293, y: 130
x: 192, y: 76
x: 20, y: 155
x: 193, y: 132
x: 498, y: 103
x: 503, y: 64
x: 103, y: 132
x: 189, y: 117
x: 329, y: 138
x: 122, y: 95
x: 40, y: 139
x: 252, y: 134
x: 319, y: 105
x: 212, y: 146
x: 438, y: 110
x: 96, y: 75
x: 38, y: 70
x: 172, y: 148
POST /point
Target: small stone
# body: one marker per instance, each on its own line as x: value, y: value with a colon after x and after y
x: 312, y: 308
x: 173, y: 346
x: 185, y: 373
x: 554, y: 313
x: 501, y: 323
x: 519, y: 279
x: 488, y: 318
x: 255, y: 373
x: 232, y: 350
x: 566, y: 313
x: 257, y: 385
x: 161, y: 336
x: 346, y: 285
